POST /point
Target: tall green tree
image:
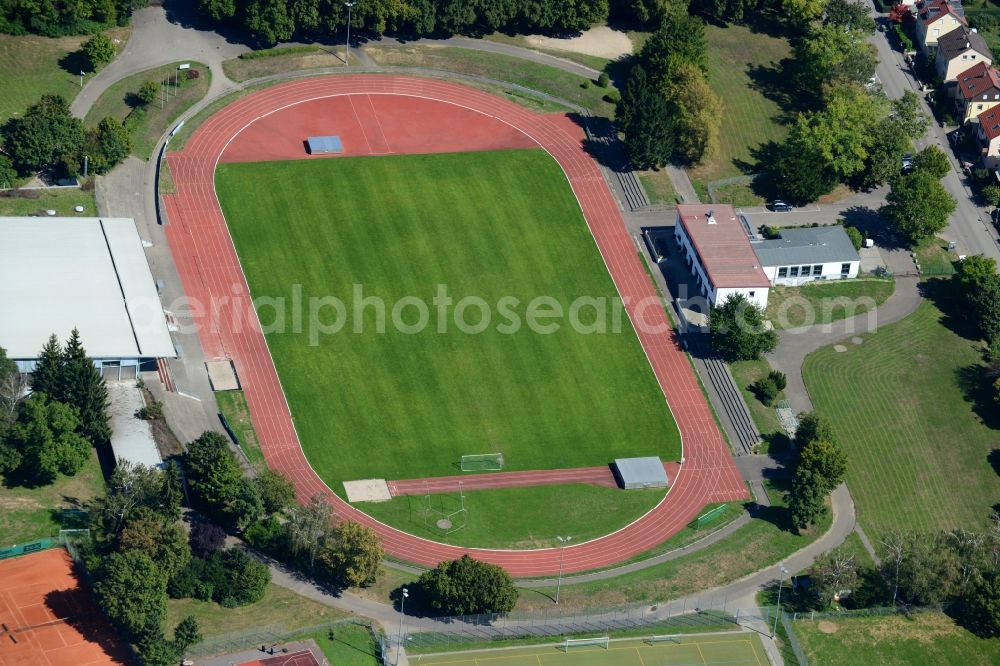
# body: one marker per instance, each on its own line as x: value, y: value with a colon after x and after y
x: 308, y: 525
x: 696, y: 112
x: 213, y: 474
x: 107, y: 144
x: 48, y: 373
x: 821, y: 467
x: 468, y: 587
x: 83, y: 387
x: 918, y: 205
x: 277, y: 492
x: 829, y: 56
x: 982, y: 606
x: 849, y: 15
x: 132, y: 590
x: 650, y: 141
x: 679, y: 39
x: 737, y: 330
x: 163, y: 539
x: 13, y: 390
x: 932, y: 160
x: 100, y: 50
x: 43, y: 136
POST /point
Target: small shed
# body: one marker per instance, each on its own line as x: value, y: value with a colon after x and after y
x: 324, y: 145
x: 635, y: 473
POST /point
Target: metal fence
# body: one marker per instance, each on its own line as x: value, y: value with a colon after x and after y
x: 278, y: 633
x: 461, y: 632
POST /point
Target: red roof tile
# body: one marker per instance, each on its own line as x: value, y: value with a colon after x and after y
x: 721, y: 242
x: 978, y: 80
x: 929, y: 12
x: 989, y: 122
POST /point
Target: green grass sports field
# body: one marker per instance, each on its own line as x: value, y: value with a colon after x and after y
x: 401, y: 404
x: 742, y: 649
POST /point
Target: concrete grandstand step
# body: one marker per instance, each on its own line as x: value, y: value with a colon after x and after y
x: 635, y: 194
x: 736, y: 408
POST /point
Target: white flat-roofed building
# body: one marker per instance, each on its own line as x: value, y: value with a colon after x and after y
x: 57, y: 274
x: 716, y: 246
x: 807, y: 254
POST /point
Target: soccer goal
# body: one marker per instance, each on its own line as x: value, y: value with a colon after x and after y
x: 663, y: 638
x: 482, y: 462
x: 601, y: 641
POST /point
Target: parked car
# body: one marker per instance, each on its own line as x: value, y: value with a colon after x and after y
x: 779, y: 206
x: 907, y: 162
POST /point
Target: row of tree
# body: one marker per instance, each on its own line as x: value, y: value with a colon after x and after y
x: 271, y: 21
x: 51, y: 431
x: 955, y: 567
x: 54, y: 18
x: 48, y: 138
x: 667, y: 109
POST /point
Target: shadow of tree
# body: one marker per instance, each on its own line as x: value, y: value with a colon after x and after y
x: 945, y: 295
x: 977, y: 388
x: 80, y: 612
x: 75, y: 62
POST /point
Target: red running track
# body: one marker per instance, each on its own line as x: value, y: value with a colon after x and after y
x: 210, y: 271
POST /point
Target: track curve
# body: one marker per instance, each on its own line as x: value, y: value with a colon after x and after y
x: 213, y: 281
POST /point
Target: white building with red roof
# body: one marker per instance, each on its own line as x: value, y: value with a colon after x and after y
x: 715, y: 243
x: 988, y: 133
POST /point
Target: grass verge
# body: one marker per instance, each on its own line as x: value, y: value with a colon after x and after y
x: 27, y: 514
x: 658, y: 187
x: 284, y: 60
x: 233, y: 405
x: 482, y: 224
x: 934, y: 258
x: 146, y: 124
x: 917, y: 447
x: 745, y: 373
x: 825, y: 302
x: 543, y: 78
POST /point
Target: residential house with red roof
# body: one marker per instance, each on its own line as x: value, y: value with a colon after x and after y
x: 936, y: 18
x: 958, y: 50
x: 977, y: 89
x: 988, y: 134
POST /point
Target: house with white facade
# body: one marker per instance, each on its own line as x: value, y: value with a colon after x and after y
x: 808, y: 254
x: 936, y: 18
x: 715, y: 244
x: 988, y: 136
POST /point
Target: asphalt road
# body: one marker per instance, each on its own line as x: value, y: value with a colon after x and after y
x: 970, y: 227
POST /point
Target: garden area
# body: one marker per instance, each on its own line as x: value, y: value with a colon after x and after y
x: 24, y: 203
x: 825, y: 302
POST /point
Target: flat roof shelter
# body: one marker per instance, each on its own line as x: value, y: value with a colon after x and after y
x: 57, y: 274
x: 324, y: 145
x: 637, y: 473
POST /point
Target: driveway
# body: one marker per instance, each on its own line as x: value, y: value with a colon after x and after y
x: 161, y: 36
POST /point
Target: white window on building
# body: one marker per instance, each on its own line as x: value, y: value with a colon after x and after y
x: 818, y: 269
x: 805, y: 271
x: 845, y: 269
x: 782, y: 272
x: 793, y: 271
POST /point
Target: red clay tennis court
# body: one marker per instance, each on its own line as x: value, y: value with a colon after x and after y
x: 47, y: 617
x: 301, y: 658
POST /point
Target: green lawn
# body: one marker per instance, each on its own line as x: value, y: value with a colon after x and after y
x: 922, y: 639
x: 658, y: 187
x: 233, y: 405
x: 346, y: 644
x: 147, y: 124
x: 61, y: 200
x: 748, y: 117
x: 395, y: 405
x: 822, y: 302
x: 917, y: 451
x: 494, y: 519
x: 27, y: 514
x: 543, y: 78
x: 29, y: 68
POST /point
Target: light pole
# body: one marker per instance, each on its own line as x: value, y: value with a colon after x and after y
x: 81, y: 78
x: 85, y: 160
x: 347, y: 58
x: 402, y: 612
x: 562, y: 554
x: 777, y: 611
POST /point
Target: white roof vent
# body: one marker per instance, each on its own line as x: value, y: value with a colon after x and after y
x: 711, y: 216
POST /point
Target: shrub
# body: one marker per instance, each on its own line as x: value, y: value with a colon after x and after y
x: 779, y: 379
x: 100, y: 50
x: 770, y: 232
x: 857, y: 239
x: 585, y: 84
x: 153, y: 411
x: 280, y: 51
x: 612, y: 96
x: 148, y: 92
x: 603, y: 80
x: 766, y: 390
x: 268, y: 536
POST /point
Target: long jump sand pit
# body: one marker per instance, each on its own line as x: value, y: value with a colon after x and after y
x: 48, y: 618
